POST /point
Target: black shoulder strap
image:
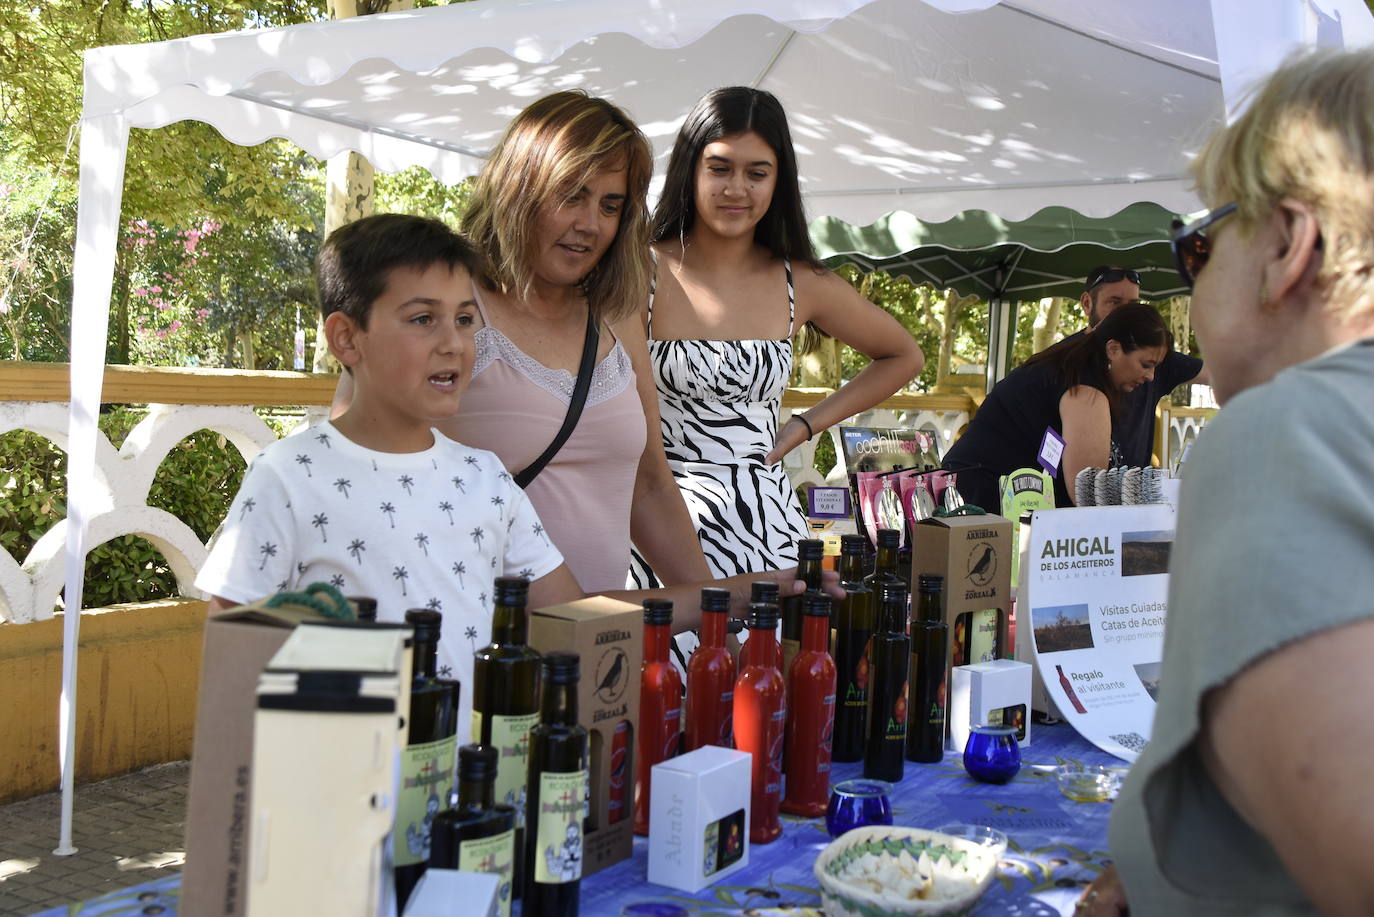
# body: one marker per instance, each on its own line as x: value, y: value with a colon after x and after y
x: 579, y: 399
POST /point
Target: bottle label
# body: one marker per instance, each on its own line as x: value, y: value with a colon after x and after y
x: 426, y: 777
x: 773, y: 781
x: 510, y: 736
x: 896, y: 721
x: 558, y: 826
x: 672, y: 733
x: 726, y: 739
x: 494, y: 855
x: 852, y: 665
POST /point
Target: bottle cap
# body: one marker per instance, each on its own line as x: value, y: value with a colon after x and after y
x: 562, y: 668
x: 763, y: 591
x: 734, y: 625
x: 713, y: 598
x: 364, y: 606
x: 853, y: 545
x: 930, y: 582
x: 893, y: 592
x: 511, y: 590
x: 658, y: 611
x: 477, y: 763
x: 810, y: 549
x: 889, y: 538
x: 426, y: 622
x: 816, y: 604
x: 763, y: 616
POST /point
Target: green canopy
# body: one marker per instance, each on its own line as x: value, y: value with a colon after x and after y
x: 977, y: 253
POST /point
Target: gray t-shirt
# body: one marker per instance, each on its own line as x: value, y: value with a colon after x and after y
x: 1275, y: 542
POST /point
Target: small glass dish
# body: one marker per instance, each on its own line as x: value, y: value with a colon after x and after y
x: 1087, y: 782
x: 858, y: 804
x: 992, y: 754
x: 981, y: 835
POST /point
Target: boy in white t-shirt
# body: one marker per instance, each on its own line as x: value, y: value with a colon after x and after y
x: 377, y: 502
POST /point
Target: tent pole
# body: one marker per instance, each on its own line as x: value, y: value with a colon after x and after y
x: 104, y: 145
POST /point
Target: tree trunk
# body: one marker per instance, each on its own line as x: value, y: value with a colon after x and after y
x: 950, y: 316
x: 349, y: 177
x: 249, y: 350
x: 121, y: 310
x: 1046, y: 327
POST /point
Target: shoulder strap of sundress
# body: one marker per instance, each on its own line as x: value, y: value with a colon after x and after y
x: 791, y: 298
x: 653, y: 288
x: 481, y: 306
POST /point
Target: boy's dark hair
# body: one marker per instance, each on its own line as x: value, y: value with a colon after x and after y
x: 356, y: 260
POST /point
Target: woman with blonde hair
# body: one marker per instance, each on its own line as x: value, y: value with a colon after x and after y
x: 1253, y: 796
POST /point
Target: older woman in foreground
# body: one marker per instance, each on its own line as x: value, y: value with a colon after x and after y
x: 1254, y: 795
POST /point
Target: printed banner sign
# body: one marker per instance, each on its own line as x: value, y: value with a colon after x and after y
x: 1092, y: 612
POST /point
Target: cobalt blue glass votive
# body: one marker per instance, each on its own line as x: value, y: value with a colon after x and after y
x: 856, y: 804
x: 992, y: 754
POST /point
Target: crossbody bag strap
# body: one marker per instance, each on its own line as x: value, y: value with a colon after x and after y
x: 579, y: 400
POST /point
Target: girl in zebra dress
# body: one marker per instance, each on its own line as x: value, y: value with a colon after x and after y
x: 735, y: 278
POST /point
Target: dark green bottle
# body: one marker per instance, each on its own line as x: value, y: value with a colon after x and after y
x: 885, y: 566
x: 925, y: 740
x: 889, y: 655
x: 427, y: 762
x: 477, y: 835
x: 809, y: 554
x: 557, y: 789
x: 505, y: 699
x: 853, y: 628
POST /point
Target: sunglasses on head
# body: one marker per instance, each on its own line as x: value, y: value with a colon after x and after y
x: 1191, y: 247
x: 1112, y: 275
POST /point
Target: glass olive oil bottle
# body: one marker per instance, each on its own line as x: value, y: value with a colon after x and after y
x: 557, y: 790
x: 889, y: 655
x: 427, y: 762
x: 925, y: 741
x: 505, y: 699
x: 477, y: 835
x: 853, y: 626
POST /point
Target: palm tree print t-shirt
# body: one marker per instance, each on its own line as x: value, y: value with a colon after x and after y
x: 425, y: 529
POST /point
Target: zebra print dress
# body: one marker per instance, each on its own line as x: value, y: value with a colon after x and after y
x: 718, y: 406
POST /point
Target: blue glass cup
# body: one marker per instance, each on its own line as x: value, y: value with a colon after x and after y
x: 992, y: 754
x: 856, y: 803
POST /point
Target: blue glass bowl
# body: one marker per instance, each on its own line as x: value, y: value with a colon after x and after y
x: 992, y: 754
x: 857, y: 804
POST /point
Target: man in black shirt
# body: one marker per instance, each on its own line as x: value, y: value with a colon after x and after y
x: 1109, y: 286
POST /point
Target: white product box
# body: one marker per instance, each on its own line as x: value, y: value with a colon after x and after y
x: 976, y: 691
x: 699, y: 817
x: 451, y: 893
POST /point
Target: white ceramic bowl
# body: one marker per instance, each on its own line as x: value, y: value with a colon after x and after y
x: 959, y: 870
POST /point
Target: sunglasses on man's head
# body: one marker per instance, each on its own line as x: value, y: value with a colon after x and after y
x: 1191, y: 247
x: 1112, y: 275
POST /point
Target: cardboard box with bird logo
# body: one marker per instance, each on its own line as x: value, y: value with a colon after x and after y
x: 973, y: 553
x: 609, y: 636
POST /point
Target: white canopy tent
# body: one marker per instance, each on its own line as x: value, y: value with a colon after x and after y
x: 894, y: 104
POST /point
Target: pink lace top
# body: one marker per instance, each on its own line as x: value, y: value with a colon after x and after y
x: 514, y: 407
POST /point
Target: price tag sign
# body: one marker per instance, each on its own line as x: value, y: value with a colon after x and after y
x: 828, y: 502
x: 1051, y: 451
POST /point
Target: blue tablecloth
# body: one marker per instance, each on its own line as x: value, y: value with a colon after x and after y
x: 1057, y: 846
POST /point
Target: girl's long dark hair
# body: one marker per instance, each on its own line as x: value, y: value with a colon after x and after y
x: 723, y: 113
x: 1082, y: 359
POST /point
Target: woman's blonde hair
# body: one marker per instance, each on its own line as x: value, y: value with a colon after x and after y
x: 549, y: 150
x: 1308, y: 134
